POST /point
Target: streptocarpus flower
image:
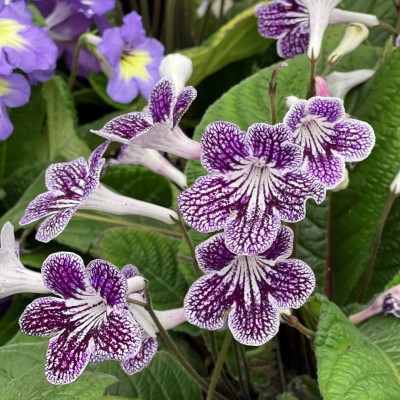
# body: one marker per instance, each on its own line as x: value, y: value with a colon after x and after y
x: 149, y: 345
x: 134, y: 59
x: 157, y: 128
x: 254, y: 183
x: 90, y: 320
x: 76, y: 184
x: 328, y: 137
x: 14, y: 277
x: 23, y: 45
x: 14, y: 92
x: 247, y: 291
x: 299, y: 25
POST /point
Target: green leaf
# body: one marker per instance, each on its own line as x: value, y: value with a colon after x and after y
x: 62, y: 122
x: 155, y: 256
x: 34, y: 386
x: 351, y: 364
x: 236, y: 40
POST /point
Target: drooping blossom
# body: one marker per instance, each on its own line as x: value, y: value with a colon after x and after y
x: 149, y: 345
x: 14, y: 277
x: 299, y: 25
x: 76, y: 184
x: 247, y: 291
x: 157, y: 128
x: 89, y: 319
x: 329, y: 139
x: 23, y: 45
x: 387, y: 302
x: 133, y: 59
x: 14, y: 92
x: 255, y: 181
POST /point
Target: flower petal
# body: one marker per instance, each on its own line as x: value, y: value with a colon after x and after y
x: 294, y: 42
x: 96, y: 163
x: 329, y: 108
x: 129, y: 271
x: 108, y: 281
x: 183, y: 102
x: 222, y: 147
x: 293, y: 117
x: 64, y: 274
x: 282, y: 246
x: 43, y: 317
x: 161, y: 101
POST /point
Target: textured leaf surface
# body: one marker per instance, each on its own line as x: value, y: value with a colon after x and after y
x: 355, y: 364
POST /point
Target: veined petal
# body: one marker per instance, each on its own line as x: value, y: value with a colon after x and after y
x: 44, y: 317
x: 282, y: 246
x: 96, y: 163
x: 295, y: 114
x: 329, y: 108
x: 108, y: 281
x: 162, y: 100
x: 183, y: 101
x: 295, y: 42
x: 64, y: 274
x: 129, y: 271
x: 223, y: 147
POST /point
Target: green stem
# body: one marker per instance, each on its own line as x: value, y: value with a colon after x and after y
x: 74, y: 72
x: 3, y: 156
x: 294, y: 322
x: 327, y: 69
x: 388, y: 28
x: 144, y: 8
x: 375, y: 245
x: 243, y: 387
x: 280, y: 365
x: 246, y: 368
x: 311, y: 86
x: 328, y: 285
x: 170, y: 29
x: 272, y: 91
x: 156, y: 18
x: 219, y: 365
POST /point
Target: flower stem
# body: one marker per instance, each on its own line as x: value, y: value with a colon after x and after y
x: 294, y: 322
x: 243, y: 387
x: 311, y: 86
x: 74, y: 71
x: 272, y: 91
x: 388, y: 28
x: 375, y: 246
x: 219, y: 365
x: 328, y: 284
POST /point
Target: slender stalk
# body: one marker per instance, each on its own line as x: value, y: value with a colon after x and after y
x: 311, y: 86
x: 246, y: 368
x: 219, y: 365
x: 280, y: 366
x: 204, y: 23
x: 144, y: 8
x: 375, y: 246
x: 156, y: 17
x: 74, y: 71
x: 170, y: 29
x: 272, y: 91
x: 327, y: 69
x: 3, y: 155
x: 221, y: 11
x: 328, y: 280
x: 294, y: 322
x: 243, y: 387
x: 388, y: 28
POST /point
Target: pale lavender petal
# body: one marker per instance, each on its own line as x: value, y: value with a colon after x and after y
x: 108, y: 281
x: 212, y: 255
x: 54, y: 225
x: 208, y: 203
x: 161, y: 101
x: 295, y: 114
x: 6, y: 127
x: 129, y: 271
x: 271, y: 145
x: 183, y: 102
x: 126, y: 127
x: 223, y: 147
x: 96, y: 163
x: 282, y: 246
x: 327, y: 168
x: 132, y: 30
x: 18, y: 91
x: 143, y: 358
x: 118, y: 337
x: 44, y: 317
x: 111, y: 46
x: 67, y: 356
x: 329, y: 108
x: 352, y: 139
x: 64, y: 274
x: 290, y: 283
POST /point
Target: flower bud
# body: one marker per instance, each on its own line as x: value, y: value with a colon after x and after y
x: 340, y: 83
x: 395, y: 185
x: 290, y: 100
x: 178, y: 68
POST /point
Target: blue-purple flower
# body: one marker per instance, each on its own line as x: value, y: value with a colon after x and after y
x: 299, y: 25
x: 89, y: 320
x: 255, y: 181
x: 133, y: 57
x: 328, y: 137
x: 157, y: 128
x: 14, y: 92
x: 76, y: 184
x: 247, y: 291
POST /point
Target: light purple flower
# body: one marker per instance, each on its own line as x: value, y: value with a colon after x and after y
x: 255, y: 181
x: 76, y: 184
x: 134, y: 59
x: 157, y: 128
x: 14, y: 92
x: 328, y: 137
x: 89, y: 320
x: 149, y: 345
x: 247, y: 291
x: 299, y: 25
x: 23, y: 45
x: 14, y: 277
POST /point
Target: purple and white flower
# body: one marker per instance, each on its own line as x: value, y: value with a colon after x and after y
x: 299, y: 25
x: 157, y: 128
x: 247, y: 291
x: 169, y: 319
x: 133, y: 59
x: 329, y: 139
x: 14, y: 92
x: 255, y: 181
x: 76, y: 184
x: 89, y: 321
x: 14, y: 277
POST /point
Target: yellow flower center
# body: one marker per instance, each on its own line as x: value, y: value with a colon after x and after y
x: 9, y: 34
x: 4, y: 87
x: 133, y: 65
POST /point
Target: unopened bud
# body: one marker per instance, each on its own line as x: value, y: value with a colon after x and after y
x: 395, y: 185
x: 178, y: 68
x: 290, y: 100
